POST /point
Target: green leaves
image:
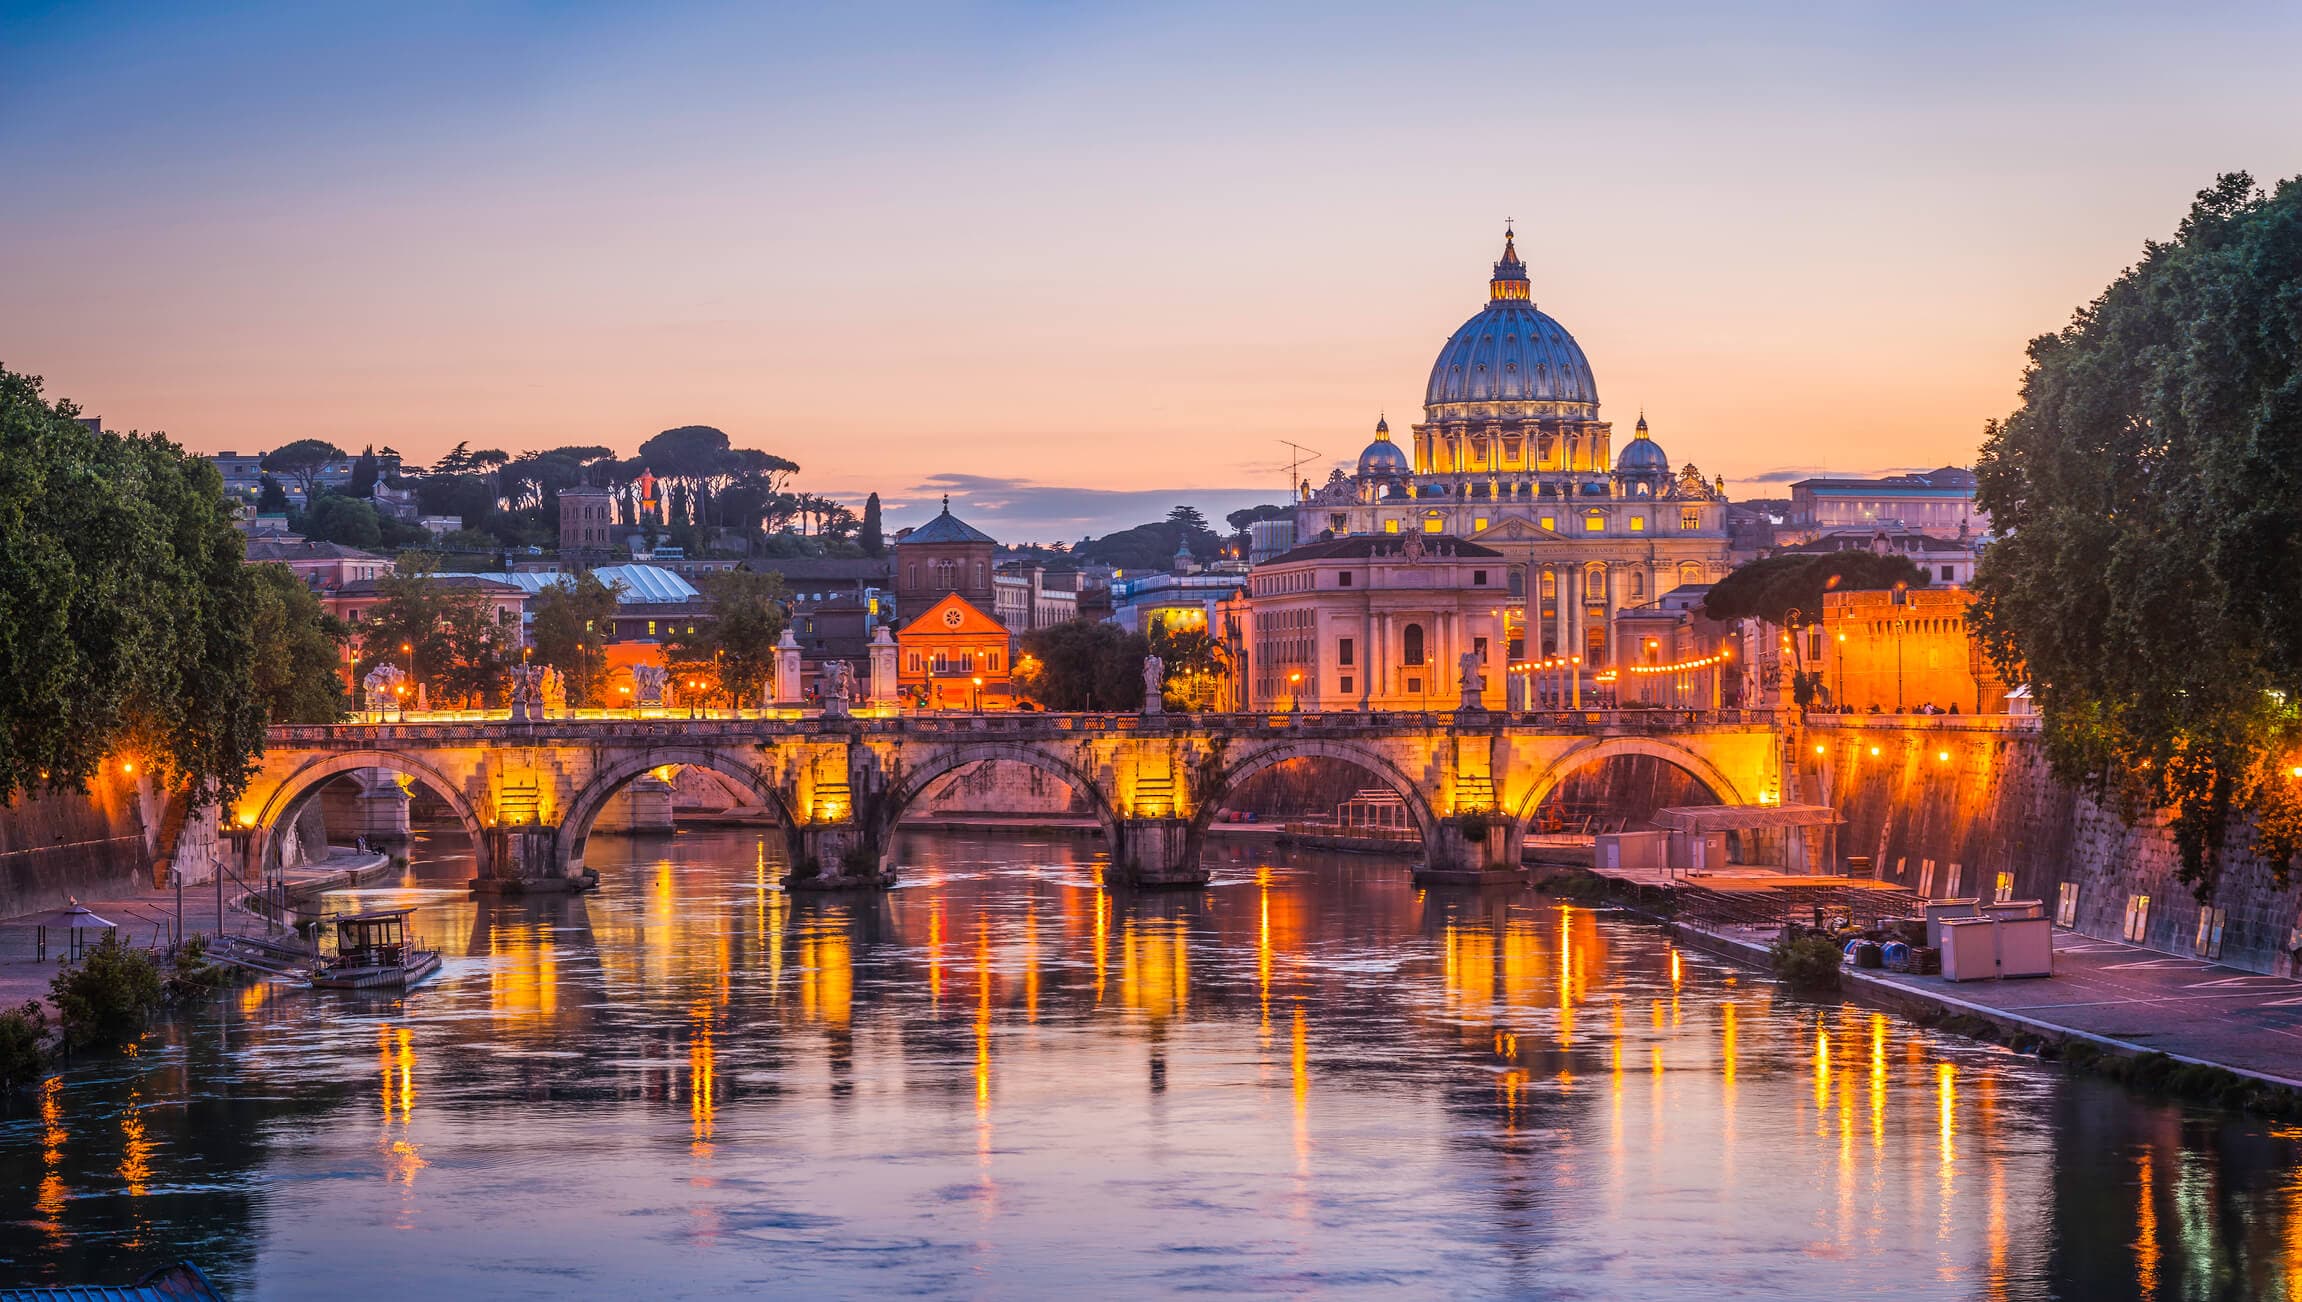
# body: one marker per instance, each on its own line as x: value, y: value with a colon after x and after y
x: 2150, y: 493
x: 126, y: 614
x: 1771, y: 589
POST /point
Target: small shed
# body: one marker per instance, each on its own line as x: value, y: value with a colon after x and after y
x: 1804, y: 836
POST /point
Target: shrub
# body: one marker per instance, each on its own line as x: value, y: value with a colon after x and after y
x: 1473, y: 824
x: 109, y: 995
x: 20, y: 1058
x: 1806, y: 962
x: 191, y: 977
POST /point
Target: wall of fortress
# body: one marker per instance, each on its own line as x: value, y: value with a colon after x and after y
x: 89, y: 844
x: 1971, y: 797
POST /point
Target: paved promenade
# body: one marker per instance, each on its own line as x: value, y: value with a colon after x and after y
x: 2124, y: 996
x: 146, y: 919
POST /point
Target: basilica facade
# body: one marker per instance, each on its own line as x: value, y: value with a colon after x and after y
x: 1511, y: 455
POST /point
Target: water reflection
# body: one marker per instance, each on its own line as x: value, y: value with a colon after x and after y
x: 1006, y: 1078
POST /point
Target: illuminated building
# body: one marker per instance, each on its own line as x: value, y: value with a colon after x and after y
x: 1938, y: 502
x: 1902, y: 650
x: 1511, y: 455
x: 1375, y: 623
x: 955, y: 657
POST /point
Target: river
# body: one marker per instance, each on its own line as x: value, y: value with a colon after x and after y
x: 1003, y: 1080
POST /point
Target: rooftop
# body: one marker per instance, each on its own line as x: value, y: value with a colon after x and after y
x: 1369, y: 546
x: 945, y: 528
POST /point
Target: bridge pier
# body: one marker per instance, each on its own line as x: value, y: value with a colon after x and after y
x: 840, y: 856
x: 1472, y: 852
x: 649, y: 799
x: 1158, y: 853
x: 383, y: 806
x: 523, y: 859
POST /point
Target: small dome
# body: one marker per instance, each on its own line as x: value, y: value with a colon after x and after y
x: 1643, y: 453
x: 1383, y: 457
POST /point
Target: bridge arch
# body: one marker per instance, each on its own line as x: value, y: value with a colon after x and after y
x: 576, y: 820
x: 305, y: 782
x: 1374, y: 763
x: 914, y: 781
x: 1600, y: 750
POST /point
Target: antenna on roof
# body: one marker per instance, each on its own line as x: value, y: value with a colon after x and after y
x: 1295, y: 464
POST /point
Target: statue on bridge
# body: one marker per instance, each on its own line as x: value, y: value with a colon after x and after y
x: 525, y: 706
x: 1154, y: 684
x: 553, y: 688
x: 1474, y: 680
x: 384, y: 687
x: 647, y: 683
x: 834, y: 682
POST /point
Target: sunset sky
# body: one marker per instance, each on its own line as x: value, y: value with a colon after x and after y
x: 1075, y: 263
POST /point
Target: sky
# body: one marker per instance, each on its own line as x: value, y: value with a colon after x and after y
x: 1073, y: 264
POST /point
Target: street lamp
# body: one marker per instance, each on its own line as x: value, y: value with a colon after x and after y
x: 978, y: 680
x: 1295, y: 690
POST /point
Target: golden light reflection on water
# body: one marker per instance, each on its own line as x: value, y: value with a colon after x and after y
x: 1512, y: 1008
x: 2145, y: 1226
x: 702, y: 1079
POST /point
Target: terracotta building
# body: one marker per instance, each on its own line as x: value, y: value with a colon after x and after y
x: 1903, y: 650
x: 955, y: 657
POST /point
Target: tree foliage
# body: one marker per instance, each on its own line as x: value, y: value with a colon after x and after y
x: 1772, y: 588
x: 459, y: 648
x: 125, y: 610
x: 749, y: 611
x: 874, y: 535
x: 1083, y: 666
x: 1240, y: 519
x: 1152, y: 547
x: 570, y: 629
x: 1194, y: 660
x: 2149, y: 490
x: 271, y: 499
x: 302, y: 461
x: 298, y: 677
x: 107, y: 996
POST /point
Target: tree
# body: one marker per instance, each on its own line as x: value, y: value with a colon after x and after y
x: 125, y: 609
x: 748, y: 615
x: 1083, y: 666
x: 2149, y: 495
x: 450, y: 633
x: 271, y: 499
x: 1771, y: 589
x: 1195, y: 662
x: 363, y: 482
x: 333, y: 517
x: 1240, y: 519
x: 570, y: 631
x: 299, y: 676
x: 874, y: 537
x: 302, y: 461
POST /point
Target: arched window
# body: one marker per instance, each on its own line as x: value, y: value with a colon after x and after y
x: 1638, y: 584
x: 1411, y: 644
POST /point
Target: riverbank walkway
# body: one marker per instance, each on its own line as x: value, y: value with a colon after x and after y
x: 2123, y: 997
x: 146, y: 919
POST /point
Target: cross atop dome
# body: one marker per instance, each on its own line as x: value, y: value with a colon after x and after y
x: 1510, y: 283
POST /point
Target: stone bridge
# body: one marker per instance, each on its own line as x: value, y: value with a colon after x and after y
x: 528, y: 793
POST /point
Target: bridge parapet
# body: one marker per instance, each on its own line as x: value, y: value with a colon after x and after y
x: 839, y: 787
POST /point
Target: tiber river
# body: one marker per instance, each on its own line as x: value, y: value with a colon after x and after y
x: 1002, y: 1080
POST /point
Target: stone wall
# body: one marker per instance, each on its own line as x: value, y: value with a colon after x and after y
x: 89, y: 844
x: 1971, y: 798
x: 1002, y: 787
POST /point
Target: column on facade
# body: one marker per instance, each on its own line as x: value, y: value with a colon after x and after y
x: 1563, y: 619
x: 1614, y: 584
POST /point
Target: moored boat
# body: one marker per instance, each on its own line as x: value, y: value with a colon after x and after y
x: 374, y: 949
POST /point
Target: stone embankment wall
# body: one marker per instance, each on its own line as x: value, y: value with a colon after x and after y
x: 89, y: 844
x: 1944, y: 804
